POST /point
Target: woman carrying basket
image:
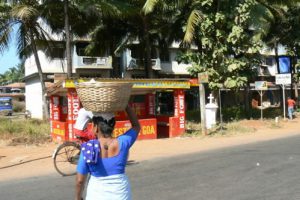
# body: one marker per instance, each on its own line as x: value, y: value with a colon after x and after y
x: 105, y: 159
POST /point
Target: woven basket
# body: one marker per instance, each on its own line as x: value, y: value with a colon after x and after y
x: 104, y: 96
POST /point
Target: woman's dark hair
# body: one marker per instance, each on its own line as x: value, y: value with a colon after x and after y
x: 106, y: 126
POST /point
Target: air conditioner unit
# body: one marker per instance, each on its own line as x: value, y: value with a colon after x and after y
x: 156, y: 64
x: 101, y: 61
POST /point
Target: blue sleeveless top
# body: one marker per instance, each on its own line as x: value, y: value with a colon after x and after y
x: 108, y: 166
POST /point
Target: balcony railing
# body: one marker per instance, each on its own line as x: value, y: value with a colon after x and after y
x: 139, y: 64
x: 94, y: 62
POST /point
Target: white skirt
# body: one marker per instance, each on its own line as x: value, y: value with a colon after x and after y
x: 114, y: 187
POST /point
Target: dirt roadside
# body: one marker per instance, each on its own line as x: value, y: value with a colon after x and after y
x: 22, y: 161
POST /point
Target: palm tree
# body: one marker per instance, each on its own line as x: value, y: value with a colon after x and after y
x: 66, y: 17
x: 269, y: 10
x: 68, y: 38
x: 24, y: 16
x: 110, y: 30
x: 117, y: 31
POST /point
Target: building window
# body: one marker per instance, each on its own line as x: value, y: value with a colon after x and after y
x: 57, y: 52
x: 269, y: 61
x: 136, y: 52
x: 81, y: 47
x: 165, y: 103
x: 164, y: 55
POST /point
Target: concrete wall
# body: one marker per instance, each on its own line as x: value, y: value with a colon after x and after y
x: 33, y: 98
x: 48, y: 66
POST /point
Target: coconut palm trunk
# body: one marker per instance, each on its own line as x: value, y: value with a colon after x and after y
x: 68, y: 39
x: 40, y: 72
x: 148, y: 64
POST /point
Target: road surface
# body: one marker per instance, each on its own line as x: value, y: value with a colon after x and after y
x: 260, y: 171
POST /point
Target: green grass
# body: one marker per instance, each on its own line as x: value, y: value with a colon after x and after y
x: 234, y: 128
x: 24, y: 130
x: 236, y: 113
x: 193, y: 129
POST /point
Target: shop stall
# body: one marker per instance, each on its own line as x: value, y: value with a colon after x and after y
x: 159, y: 105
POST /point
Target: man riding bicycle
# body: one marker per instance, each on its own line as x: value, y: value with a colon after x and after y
x: 81, y: 126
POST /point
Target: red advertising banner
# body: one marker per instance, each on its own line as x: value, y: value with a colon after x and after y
x: 150, y: 104
x: 55, y: 108
x: 59, y: 131
x: 140, y: 109
x: 148, y: 128
x: 179, y: 106
x: 194, y: 82
x: 73, y: 109
x: 50, y: 109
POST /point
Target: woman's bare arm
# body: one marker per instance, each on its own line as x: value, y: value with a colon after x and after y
x: 133, y: 119
x: 80, y: 181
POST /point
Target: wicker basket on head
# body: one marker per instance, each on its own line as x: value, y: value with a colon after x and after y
x: 104, y: 96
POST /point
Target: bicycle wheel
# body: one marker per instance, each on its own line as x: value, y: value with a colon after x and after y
x: 65, y: 158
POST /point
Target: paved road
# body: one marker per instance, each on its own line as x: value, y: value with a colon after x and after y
x: 261, y: 171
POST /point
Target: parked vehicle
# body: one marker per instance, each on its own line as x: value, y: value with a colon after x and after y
x: 6, y: 106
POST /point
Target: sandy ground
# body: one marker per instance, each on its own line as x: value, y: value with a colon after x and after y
x: 30, y: 161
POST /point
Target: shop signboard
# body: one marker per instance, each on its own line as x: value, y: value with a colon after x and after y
x: 55, y: 108
x: 261, y: 85
x: 162, y: 84
x: 179, y: 108
x: 144, y: 84
x: 283, y: 79
x: 148, y: 128
x: 73, y: 109
x: 203, y: 77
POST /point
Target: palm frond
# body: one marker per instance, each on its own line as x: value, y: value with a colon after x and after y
x: 149, y: 6
x: 24, y: 12
x: 194, y: 19
x: 22, y: 42
x: 5, y: 36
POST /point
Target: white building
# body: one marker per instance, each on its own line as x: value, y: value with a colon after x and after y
x: 269, y: 65
x: 86, y: 66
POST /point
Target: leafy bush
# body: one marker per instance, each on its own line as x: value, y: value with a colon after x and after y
x: 193, y: 115
x: 233, y: 113
x: 237, y: 113
x: 18, y: 106
x: 267, y: 113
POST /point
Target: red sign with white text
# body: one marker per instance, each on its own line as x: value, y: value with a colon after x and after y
x: 55, y: 108
x: 179, y: 107
x: 148, y: 128
x: 150, y: 105
x: 73, y: 109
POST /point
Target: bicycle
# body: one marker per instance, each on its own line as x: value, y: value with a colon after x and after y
x: 66, y: 155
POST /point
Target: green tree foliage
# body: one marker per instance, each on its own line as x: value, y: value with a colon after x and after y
x: 24, y: 15
x: 229, y: 50
x: 14, y: 74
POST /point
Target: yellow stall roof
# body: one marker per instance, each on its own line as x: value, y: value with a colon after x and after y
x: 140, y: 86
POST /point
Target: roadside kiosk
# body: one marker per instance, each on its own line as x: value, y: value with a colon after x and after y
x: 158, y: 103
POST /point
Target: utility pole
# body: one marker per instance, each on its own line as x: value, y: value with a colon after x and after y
x: 202, y: 78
